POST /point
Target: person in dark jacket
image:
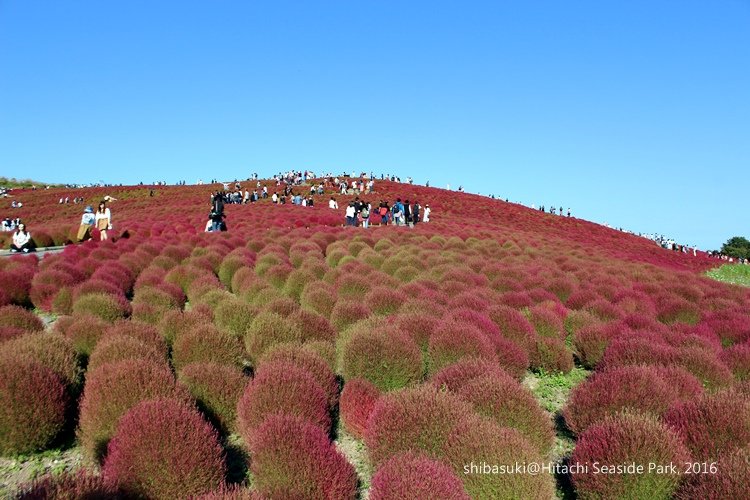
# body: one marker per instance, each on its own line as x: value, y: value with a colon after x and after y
x: 415, y: 212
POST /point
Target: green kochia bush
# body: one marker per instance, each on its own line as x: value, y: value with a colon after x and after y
x: 624, y: 439
x: 268, y: 329
x: 164, y: 449
x: 390, y: 360
x: 293, y: 458
x: 112, y: 389
x: 105, y: 306
x: 509, y: 404
x: 115, y: 348
x: 204, y: 343
x: 415, y: 419
x: 18, y: 317
x: 33, y: 404
x: 217, y: 388
x: 49, y: 349
x: 416, y: 477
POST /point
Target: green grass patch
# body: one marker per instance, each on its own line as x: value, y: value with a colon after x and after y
x: 736, y: 274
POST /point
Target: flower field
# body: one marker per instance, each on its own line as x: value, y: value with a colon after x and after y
x: 290, y: 335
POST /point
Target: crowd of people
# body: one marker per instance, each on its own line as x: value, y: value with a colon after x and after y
x: 717, y: 254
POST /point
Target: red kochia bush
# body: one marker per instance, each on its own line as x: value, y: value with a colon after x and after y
x: 551, y: 355
x: 731, y: 479
x: 347, y: 312
x: 475, y: 441
x: 419, y: 326
x: 357, y: 402
x: 452, y: 342
x: 712, y: 425
x: 112, y: 389
x: 413, y: 476
x: 292, y: 458
x: 163, y: 448
x: 33, y: 403
x: 79, y: 485
x: 737, y: 358
x: 624, y: 439
x: 454, y: 377
x: 390, y: 360
x: 146, y: 333
x: 18, y: 317
x: 217, y: 388
x: 706, y: 366
x: 310, y: 361
x: 505, y: 401
x: 85, y: 331
x: 591, y: 341
x: 281, y: 388
x: 627, y: 388
x: 413, y: 419
x: 513, y: 325
x: 546, y: 322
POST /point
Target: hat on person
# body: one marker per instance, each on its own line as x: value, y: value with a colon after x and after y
x: 109, y: 198
x: 88, y: 210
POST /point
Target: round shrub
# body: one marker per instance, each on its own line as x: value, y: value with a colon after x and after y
x: 107, y: 307
x: 318, y: 297
x: 281, y: 388
x: 419, y: 418
x: 511, y: 357
x: 546, y: 322
x: 454, y: 377
x: 18, y: 317
x: 216, y: 388
x: 163, y: 448
x: 419, y: 326
x: 345, y: 313
x: 79, y: 485
x: 607, y: 393
x: 112, y: 389
x: 283, y: 306
x: 146, y: 333
x: 46, y: 284
x: 293, y: 458
x: 314, y: 327
x: 313, y: 363
x: 413, y: 476
x: 49, y: 349
x: 506, y: 402
x: 706, y: 366
x: 513, y: 325
x: 625, y: 439
x: 205, y: 343
x: 684, y: 383
x: 590, y: 343
x: 234, y: 316
x: 731, y: 480
x: 357, y: 402
x: 114, y: 348
x: 33, y: 404
x: 175, y: 322
x: 552, y: 356
x: 452, y: 342
x: 85, y: 331
x: 389, y: 360
x: 268, y: 329
x: 384, y: 300
x: 476, y: 441
x: 737, y: 358
x: 713, y: 424
x: 638, y: 350
x: 10, y: 332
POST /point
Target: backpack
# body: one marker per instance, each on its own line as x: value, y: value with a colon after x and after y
x: 383, y: 211
x: 365, y: 213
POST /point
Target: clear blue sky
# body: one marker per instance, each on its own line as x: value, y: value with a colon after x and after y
x: 635, y: 113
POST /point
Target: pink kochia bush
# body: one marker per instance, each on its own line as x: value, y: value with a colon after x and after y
x: 281, y: 388
x: 712, y: 425
x: 453, y: 342
x: 33, y: 404
x: 357, y: 402
x: 120, y: 347
x: 292, y: 458
x: 731, y: 479
x: 310, y: 361
x: 112, y: 389
x: 49, y: 349
x: 624, y: 439
x: 164, y: 449
x: 606, y: 393
x: 18, y: 317
x: 413, y: 476
x: 79, y: 485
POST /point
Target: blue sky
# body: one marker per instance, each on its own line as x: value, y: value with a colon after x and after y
x: 635, y: 113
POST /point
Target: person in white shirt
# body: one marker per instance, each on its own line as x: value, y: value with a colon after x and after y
x: 426, y: 216
x: 21, y: 240
x: 351, y: 215
x: 332, y: 204
x: 103, y: 220
x: 275, y: 198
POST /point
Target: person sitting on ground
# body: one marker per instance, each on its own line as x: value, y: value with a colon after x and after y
x: 22, y: 240
x: 103, y: 219
x: 332, y: 204
x: 87, y: 224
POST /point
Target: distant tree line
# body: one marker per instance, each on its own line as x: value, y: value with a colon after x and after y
x: 737, y: 247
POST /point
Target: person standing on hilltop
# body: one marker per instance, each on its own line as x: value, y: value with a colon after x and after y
x: 103, y: 220
x: 407, y: 213
x: 217, y: 211
x: 415, y: 212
